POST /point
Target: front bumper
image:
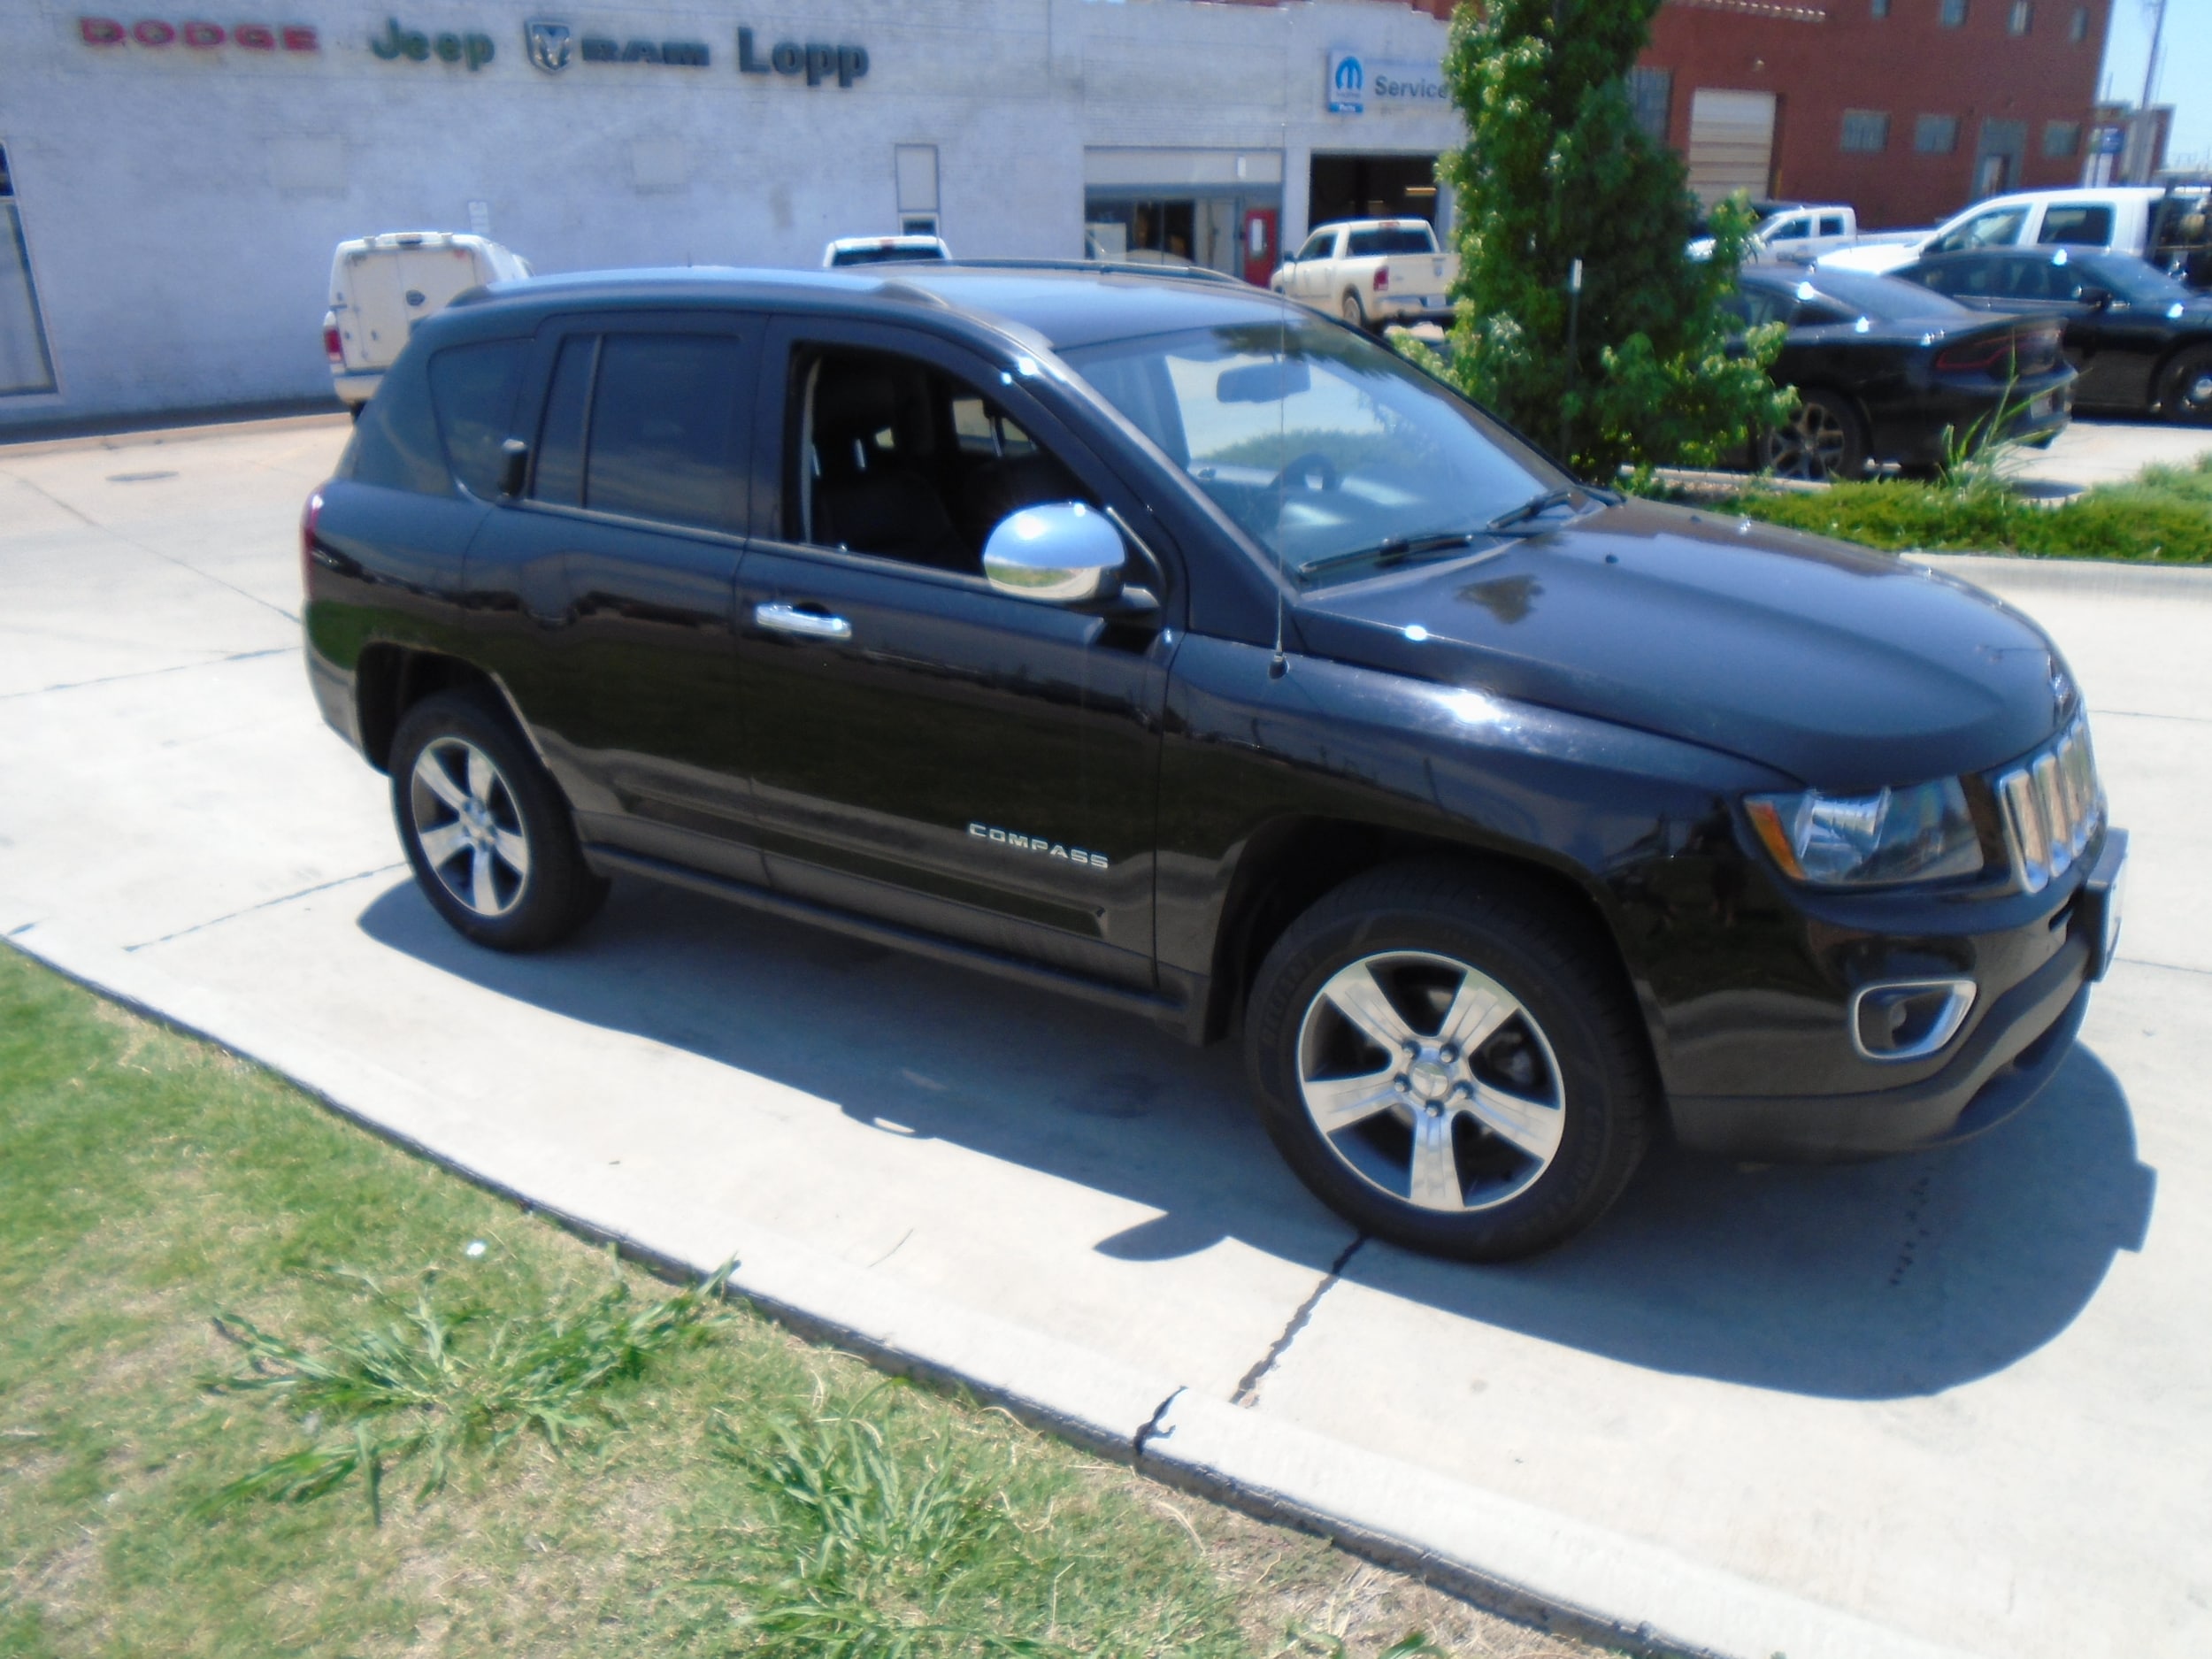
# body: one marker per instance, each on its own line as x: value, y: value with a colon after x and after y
x: 2002, y: 1064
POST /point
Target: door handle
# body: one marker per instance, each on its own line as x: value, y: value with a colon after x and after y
x: 815, y: 625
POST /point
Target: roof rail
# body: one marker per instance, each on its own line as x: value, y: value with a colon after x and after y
x: 1111, y: 267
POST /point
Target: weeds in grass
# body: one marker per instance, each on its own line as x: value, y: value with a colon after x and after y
x: 434, y: 1380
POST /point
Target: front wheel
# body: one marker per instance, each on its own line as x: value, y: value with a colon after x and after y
x: 484, y: 828
x: 2186, y: 392
x: 1450, y: 1064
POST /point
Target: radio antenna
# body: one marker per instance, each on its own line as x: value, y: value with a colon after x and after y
x: 1277, y: 665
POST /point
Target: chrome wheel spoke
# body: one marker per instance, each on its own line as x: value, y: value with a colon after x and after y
x: 1529, y: 1126
x: 1355, y: 993
x: 441, y: 843
x: 483, y: 890
x: 1433, y: 1178
x: 1479, y: 1007
x: 434, y: 777
x: 1337, y: 1103
x: 513, y: 851
x: 482, y: 779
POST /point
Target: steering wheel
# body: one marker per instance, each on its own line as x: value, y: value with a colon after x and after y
x: 1307, y: 468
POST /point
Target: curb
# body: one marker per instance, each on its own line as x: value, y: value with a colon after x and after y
x: 1549, y: 1570
x: 2189, y: 583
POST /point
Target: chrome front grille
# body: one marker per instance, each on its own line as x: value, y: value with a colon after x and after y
x: 2052, y: 804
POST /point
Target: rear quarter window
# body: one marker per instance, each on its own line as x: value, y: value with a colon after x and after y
x: 474, y: 389
x: 396, y: 442
x: 2083, y: 226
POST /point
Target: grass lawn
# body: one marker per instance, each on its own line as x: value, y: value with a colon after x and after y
x: 2162, y: 516
x: 227, y: 1308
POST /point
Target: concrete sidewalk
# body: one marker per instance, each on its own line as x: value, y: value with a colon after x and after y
x: 1953, y: 1402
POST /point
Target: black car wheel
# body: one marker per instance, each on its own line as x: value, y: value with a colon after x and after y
x: 488, y: 837
x: 2186, y: 392
x: 1449, y: 1064
x: 1822, y: 440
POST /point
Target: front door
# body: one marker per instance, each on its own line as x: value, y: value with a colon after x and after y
x: 605, y: 592
x: 923, y: 748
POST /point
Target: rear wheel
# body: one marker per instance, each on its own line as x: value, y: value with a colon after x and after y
x: 1822, y: 440
x: 2186, y: 391
x: 1352, y: 310
x: 484, y: 828
x: 1448, y: 1064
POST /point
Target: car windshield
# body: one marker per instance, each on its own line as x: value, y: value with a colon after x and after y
x: 1389, y: 239
x: 2134, y: 281
x: 1884, y: 299
x: 1320, y: 444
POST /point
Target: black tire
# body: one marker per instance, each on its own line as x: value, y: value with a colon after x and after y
x: 1824, y: 439
x: 2185, y: 391
x: 353, y: 412
x: 518, y: 841
x: 1575, y: 1038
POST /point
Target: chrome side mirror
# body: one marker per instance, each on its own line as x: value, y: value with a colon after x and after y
x: 1065, y: 553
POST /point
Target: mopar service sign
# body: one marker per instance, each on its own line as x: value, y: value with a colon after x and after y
x: 1356, y: 84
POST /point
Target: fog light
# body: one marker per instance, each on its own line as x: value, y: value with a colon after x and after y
x: 1908, y: 1019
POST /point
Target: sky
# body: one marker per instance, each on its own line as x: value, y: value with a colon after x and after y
x: 2185, y: 69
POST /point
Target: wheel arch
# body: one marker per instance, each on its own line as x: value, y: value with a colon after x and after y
x: 389, y: 679
x: 2163, y: 370
x: 1291, y: 863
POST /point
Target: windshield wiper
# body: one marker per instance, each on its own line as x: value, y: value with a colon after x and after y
x: 1396, y: 548
x: 1530, y: 509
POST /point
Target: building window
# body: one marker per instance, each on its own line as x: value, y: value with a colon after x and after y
x: 1936, y: 134
x: 2078, y: 31
x: 2062, y: 140
x: 1651, y: 94
x: 25, y: 366
x: 1954, y: 14
x: 2021, y: 15
x: 1881, y: 8
x: 1865, y: 132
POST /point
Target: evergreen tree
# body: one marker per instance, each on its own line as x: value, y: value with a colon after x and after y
x: 1555, y: 169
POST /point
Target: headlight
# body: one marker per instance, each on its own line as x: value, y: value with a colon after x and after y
x: 1923, y: 834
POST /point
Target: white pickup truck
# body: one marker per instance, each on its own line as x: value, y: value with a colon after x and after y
x: 2165, y: 226
x: 1373, y: 271
x: 381, y: 286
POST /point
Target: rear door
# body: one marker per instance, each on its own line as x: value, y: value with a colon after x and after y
x: 923, y: 748
x: 604, y: 595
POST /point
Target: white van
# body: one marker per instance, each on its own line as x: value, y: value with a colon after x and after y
x: 2164, y: 225
x: 381, y: 286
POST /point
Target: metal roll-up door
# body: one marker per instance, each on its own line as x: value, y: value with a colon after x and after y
x: 1732, y: 142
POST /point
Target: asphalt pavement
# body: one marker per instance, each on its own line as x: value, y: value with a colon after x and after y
x: 1960, y: 1401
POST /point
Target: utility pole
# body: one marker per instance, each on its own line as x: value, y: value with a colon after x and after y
x: 2150, y: 67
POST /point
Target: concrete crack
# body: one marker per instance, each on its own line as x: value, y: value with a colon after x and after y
x: 147, y: 674
x: 1151, y: 1429
x: 1249, y: 1389
x: 215, y: 921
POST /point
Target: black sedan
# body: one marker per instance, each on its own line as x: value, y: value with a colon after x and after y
x: 2139, y: 340
x: 1889, y: 372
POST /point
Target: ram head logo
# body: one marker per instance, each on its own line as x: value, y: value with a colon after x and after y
x: 550, y: 45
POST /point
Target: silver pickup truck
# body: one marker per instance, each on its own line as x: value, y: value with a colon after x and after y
x: 1373, y: 271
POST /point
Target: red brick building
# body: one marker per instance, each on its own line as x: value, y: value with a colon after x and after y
x: 1907, y: 110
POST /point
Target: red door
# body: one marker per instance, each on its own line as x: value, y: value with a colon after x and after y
x: 1260, y: 251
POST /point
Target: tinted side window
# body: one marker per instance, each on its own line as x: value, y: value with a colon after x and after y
x: 396, y: 443
x: 1317, y: 245
x: 2084, y: 227
x: 474, y: 387
x: 1831, y: 225
x: 1997, y: 228
x: 560, y: 470
x: 664, y: 429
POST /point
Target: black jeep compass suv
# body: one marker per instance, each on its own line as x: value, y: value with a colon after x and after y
x: 1156, y: 640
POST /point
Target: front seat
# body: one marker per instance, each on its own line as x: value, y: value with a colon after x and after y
x: 874, y: 488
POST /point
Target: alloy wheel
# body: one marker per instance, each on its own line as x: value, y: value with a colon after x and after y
x: 1809, y: 444
x: 1429, y: 1081
x: 469, y: 825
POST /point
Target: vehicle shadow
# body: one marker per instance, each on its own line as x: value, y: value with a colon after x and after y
x: 1895, y: 1278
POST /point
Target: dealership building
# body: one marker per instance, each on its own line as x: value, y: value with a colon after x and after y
x: 178, y: 173
x: 175, y: 174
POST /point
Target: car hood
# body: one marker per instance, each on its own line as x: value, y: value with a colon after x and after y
x: 1844, y: 668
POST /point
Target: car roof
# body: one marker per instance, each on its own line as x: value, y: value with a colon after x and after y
x: 1068, y: 306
